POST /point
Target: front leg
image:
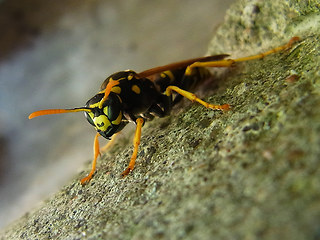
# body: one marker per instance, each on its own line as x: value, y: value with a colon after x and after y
x: 136, y: 143
x: 96, y: 153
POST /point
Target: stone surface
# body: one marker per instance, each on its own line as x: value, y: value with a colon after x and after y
x: 249, y: 173
x: 56, y: 54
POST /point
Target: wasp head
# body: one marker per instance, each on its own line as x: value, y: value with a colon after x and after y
x: 106, y: 118
x: 103, y: 111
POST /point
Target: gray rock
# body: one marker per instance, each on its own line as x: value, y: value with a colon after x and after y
x: 249, y: 173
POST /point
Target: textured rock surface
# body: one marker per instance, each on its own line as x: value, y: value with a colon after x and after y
x: 60, y: 54
x: 250, y: 173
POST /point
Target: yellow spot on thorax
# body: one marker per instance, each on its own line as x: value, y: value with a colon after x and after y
x: 130, y: 77
x: 116, y: 90
x: 136, y: 89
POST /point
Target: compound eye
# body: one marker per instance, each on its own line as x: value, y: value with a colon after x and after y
x: 113, y: 108
x: 89, y: 117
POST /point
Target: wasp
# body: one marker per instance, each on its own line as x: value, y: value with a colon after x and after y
x: 128, y: 96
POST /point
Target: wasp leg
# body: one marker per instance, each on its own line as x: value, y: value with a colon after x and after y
x: 230, y: 62
x: 164, y: 107
x: 96, y: 153
x: 192, y: 97
x: 136, y: 143
x: 162, y: 111
x: 190, y: 80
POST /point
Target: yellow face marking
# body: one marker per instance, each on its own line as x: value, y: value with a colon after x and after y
x: 94, y: 105
x: 91, y: 115
x: 136, y: 89
x: 118, y: 120
x: 102, y: 123
x: 105, y: 110
x: 116, y: 90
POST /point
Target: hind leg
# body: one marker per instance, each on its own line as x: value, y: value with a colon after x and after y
x: 230, y: 62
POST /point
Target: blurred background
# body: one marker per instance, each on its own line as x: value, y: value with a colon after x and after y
x: 55, y: 54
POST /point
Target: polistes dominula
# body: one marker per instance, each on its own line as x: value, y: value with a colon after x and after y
x: 129, y: 96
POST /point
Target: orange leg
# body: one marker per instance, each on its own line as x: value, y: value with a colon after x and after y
x: 107, y: 91
x: 230, y: 62
x: 136, y: 143
x: 192, y: 97
x: 96, y: 153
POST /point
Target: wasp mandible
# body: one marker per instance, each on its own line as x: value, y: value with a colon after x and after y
x: 128, y: 96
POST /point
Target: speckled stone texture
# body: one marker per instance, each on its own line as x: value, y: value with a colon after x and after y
x: 249, y: 173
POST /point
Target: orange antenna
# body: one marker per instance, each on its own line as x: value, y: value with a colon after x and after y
x: 109, y: 86
x: 57, y: 111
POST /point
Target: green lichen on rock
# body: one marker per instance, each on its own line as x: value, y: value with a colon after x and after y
x: 249, y: 173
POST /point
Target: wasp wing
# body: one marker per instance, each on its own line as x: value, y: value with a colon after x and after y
x: 181, y: 64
